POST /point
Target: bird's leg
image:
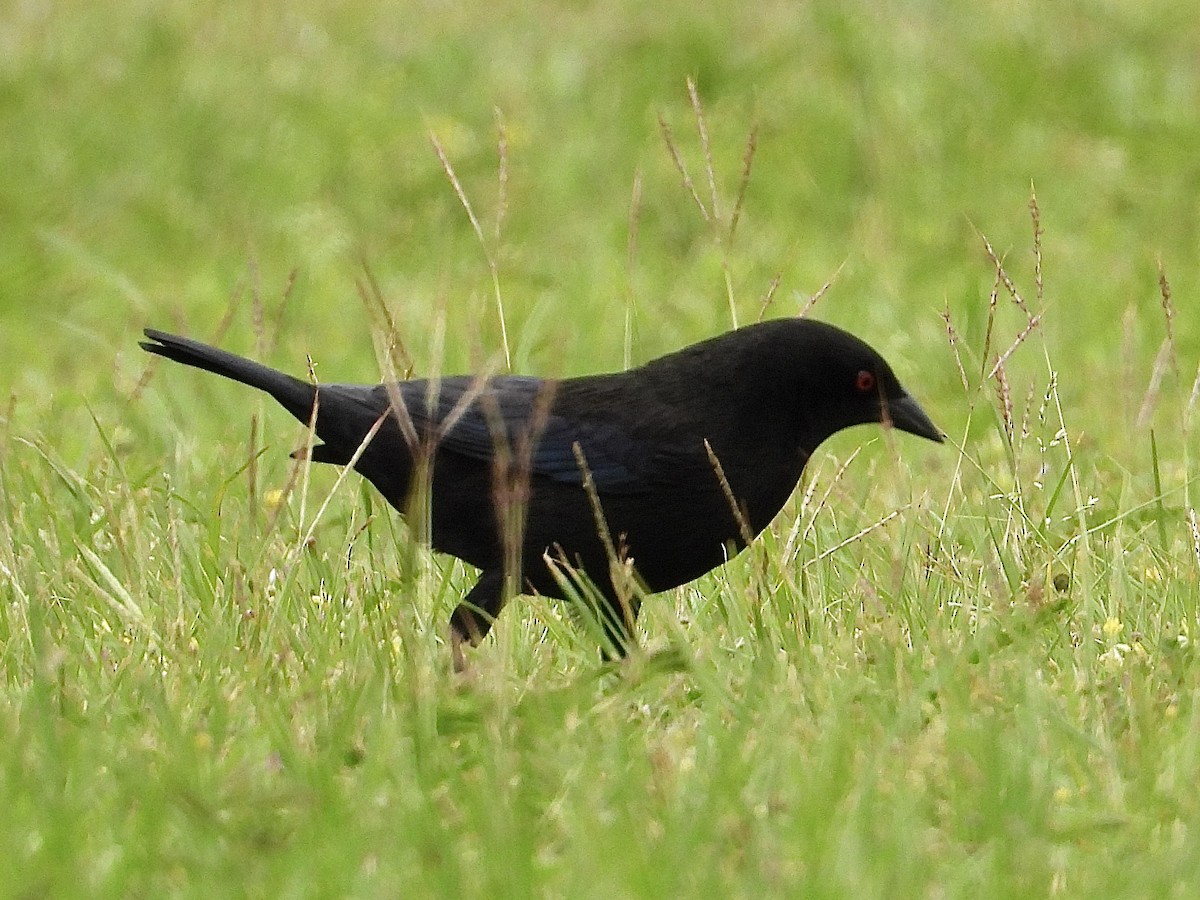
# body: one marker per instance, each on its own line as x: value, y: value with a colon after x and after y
x: 473, y: 618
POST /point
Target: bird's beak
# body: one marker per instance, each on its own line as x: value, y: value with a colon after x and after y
x: 906, y: 414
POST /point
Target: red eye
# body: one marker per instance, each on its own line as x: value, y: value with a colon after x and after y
x: 865, y: 382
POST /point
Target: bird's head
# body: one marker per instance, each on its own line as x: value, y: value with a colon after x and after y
x: 841, y: 382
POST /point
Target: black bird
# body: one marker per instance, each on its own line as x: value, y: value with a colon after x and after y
x: 675, y: 465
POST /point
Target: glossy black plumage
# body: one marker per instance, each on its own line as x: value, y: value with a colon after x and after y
x: 506, y: 451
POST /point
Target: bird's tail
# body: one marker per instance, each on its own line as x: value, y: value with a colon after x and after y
x: 293, y: 394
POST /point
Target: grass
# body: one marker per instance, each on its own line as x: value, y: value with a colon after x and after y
x: 963, y: 671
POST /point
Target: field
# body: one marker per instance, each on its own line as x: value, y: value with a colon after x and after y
x: 956, y: 671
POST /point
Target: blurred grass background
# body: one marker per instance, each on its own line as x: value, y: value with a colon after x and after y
x: 819, y: 725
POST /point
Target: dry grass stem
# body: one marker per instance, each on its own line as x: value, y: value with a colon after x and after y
x: 1033, y: 323
x: 1008, y: 283
x: 702, y: 130
x: 502, y: 172
x: 769, y: 296
x: 1162, y: 362
x: 343, y: 472
x: 681, y: 167
x: 257, y: 318
x: 285, y: 302
x: 621, y: 572
x: 1168, y: 308
x: 990, y: 329
x: 589, y: 487
x: 1004, y: 395
x: 487, y: 253
x: 744, y: 182
x: 1035, y: 215
x: 372, y: 297
x: 956, y: 346
x: 635, y: 218
x: 1191, y: 403
x: 815, y: 298
x: 875, y: 526
x: 252, y: 469
x: 310, y: 438
x: 795, y: 536
x: 739, y: 514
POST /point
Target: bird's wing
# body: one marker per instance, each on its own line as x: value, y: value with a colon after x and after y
x: 475, y: 418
